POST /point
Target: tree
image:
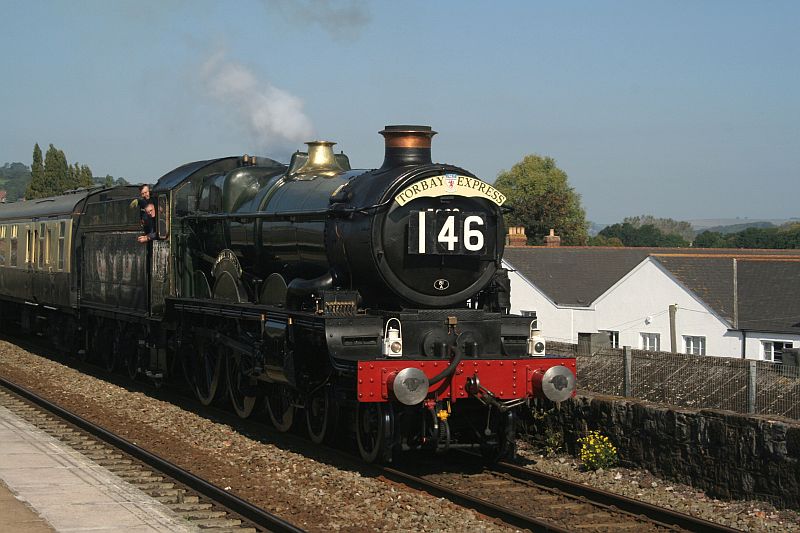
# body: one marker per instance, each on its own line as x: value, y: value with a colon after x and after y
x: 56, y: 176
x: 85, y: 178
x: 601, y: 240
x: 109, y: 180
x: 667, y: 226
x: 541, y: 199
x: 44, y: 180
x: 709, y: 239
x: 37, y: 168
x: 647, y: 235
x: 15, y: 178
x: 56, y: 173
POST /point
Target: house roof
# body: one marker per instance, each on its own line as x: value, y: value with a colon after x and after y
x: 769, y: 295
x: 709, y: 277
x: 573, y: 276
x: 763, y: 295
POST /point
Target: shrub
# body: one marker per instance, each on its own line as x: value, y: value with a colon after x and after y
x: 553, y: 442
x: 597, y: 451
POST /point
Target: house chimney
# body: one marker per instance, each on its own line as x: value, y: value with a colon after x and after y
x: 516, y: 236
x: 552, y: 240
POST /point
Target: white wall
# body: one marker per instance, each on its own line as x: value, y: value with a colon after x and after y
x: 643, y: 295
x: 753, y: 342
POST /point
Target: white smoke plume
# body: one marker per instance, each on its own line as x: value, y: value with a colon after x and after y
x: 341, y: 19
x: 272, y: 115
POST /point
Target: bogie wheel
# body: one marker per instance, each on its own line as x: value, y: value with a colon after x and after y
x: 322, y: 414
x: 208, y: 367
x: 241, y: 387
x: 280, y: 407
x: 374, y: 432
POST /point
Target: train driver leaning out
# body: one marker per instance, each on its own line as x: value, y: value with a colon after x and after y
x: 149, y: 227
x: 142, y: 201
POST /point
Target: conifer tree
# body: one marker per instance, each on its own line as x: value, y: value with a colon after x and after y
x: 85, y: 177
x: 37, y: 168
x: 60, y: 171
x: 52, y: 177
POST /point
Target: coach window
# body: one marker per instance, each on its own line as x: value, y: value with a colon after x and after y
x: 41, y: 245
x: 13, y: 254
x: 48, y: 242
x: 29, y: 246
x: 62, y: 233
x: 2, y: 245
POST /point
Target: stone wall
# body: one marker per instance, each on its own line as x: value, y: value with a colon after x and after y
x: 726, y: 454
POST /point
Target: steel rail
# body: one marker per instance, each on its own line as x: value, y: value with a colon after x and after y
x: 610, y: 499
x: 482, y: 506
x: 259, y: 517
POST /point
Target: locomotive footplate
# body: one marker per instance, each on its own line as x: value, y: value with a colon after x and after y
x: 507, y: 379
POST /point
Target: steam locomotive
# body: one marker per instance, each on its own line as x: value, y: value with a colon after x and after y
x: 369, y: 301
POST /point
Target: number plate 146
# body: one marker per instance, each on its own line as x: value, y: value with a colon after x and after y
x: 446, y: 233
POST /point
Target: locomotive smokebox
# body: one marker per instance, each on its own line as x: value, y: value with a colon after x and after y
x: 407, y: 145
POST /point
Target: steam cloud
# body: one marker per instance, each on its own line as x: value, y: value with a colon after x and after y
x: 341, y: 19
x: 272, y: 115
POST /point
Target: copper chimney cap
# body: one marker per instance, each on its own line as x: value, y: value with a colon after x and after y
x: 407, y: 145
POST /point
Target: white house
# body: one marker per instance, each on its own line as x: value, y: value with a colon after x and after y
x: 732, y: 303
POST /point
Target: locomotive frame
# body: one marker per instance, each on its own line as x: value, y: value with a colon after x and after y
x: 372, y: 300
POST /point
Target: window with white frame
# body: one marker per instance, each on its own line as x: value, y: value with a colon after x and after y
x: 694, y: 345
x: 773, y: 350
x: 613, y: 337
x: 651, y: 341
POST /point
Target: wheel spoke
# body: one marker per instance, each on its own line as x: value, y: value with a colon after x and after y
x: 280, y: 408
x: 238, y: 384
x: 373, y: 420
x: 209, y: 373
x: 321, y: 415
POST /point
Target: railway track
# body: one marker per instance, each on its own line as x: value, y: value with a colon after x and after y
x: 202, y: 504
x: 518, y: 496
x: 531, y: 500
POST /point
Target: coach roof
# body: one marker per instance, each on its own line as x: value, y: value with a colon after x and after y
x: 44, y: 207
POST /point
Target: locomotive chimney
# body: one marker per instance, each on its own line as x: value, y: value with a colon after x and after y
x: 407, y: 145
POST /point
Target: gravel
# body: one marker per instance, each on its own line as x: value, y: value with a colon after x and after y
x: 746, y: 515
x: 304, y: 489
x: 307, y: 492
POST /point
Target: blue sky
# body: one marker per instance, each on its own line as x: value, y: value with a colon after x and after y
x: 682, y: 109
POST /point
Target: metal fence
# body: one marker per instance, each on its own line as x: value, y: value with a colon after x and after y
x: 699, y: 382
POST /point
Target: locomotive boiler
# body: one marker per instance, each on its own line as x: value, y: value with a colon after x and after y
x: 371, y: 302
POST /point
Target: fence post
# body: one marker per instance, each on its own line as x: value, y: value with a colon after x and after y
x: 751, y: 387
x: 626, y: 363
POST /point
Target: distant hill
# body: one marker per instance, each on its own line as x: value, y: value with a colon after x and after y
x: 714, y: 224
x: 735, y: 228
